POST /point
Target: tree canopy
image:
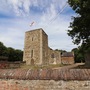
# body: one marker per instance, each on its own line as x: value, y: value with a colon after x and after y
x: 80, y: 27
x: 79, y: 54
x: 11, y: 53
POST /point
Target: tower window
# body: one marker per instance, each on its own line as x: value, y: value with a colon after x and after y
x: 32, y: 38
x: 31, y: 53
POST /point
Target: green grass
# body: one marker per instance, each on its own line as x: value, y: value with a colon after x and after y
x: 41, y: 66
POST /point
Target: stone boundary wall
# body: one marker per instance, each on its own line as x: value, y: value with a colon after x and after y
x: 45, y: 74
x: 9, y: 65
x: 46, y: 79
x: 4, y: 65
x: 43, y: 85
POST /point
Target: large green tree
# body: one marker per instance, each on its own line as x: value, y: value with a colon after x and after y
x: 80, y: 27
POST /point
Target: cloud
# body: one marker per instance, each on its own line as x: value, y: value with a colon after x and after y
x: 45, y: 14
x: 23, y: 7
x: 19, y: 7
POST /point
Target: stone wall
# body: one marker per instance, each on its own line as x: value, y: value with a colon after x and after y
x: 67, y: 60
x: 8, y: 65
x: 45, y: 74
x: 58, y: 79
x: 32, y: 47
x: 43, y: 85
x: 36, y: 42
x: 54, y: 56
x: 44, y: 47
x: 4, y: 65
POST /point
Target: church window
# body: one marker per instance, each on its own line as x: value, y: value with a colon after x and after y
x: 32, y: 38
x: 31, y: 53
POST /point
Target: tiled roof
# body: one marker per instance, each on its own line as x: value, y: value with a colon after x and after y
x: 45, y: 74
x: 67, y: 54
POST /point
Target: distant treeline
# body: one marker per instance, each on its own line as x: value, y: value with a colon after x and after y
x: 11, y: 53
x: 17, y: 55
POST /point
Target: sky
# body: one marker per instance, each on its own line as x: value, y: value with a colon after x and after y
x: 53, y: 16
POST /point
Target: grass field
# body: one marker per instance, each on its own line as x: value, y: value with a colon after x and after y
x: 41, y: 66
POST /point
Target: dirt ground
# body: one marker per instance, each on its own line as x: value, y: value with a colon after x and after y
x: 76, y: 65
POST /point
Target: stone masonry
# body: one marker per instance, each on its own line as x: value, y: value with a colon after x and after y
x: 67, y: 58
x: 45, y: 79
x: 43, y: 85
x: 36, y: 50
x: 54, y: 56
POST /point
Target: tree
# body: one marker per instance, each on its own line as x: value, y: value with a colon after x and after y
x: 61, y: 51
x: 80, y: 27
x: 3, y: 49
x: 11, y: 53
x: 79, y: 54
x: 15, y: 55
x: 19, y: 55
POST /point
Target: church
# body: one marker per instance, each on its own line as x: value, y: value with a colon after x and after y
x: 37, y: 51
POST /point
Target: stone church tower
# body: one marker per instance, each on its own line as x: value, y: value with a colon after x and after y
x: 36, y: 47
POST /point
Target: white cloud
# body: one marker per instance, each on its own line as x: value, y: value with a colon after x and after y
x: 54, y: 24
x: 22, y: 7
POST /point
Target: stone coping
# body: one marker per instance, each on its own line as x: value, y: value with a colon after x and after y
x: 45, y: 74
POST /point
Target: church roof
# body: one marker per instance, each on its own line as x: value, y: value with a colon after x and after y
x: 67, y: 54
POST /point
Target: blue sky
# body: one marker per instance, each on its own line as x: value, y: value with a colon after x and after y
x: 17, y: 15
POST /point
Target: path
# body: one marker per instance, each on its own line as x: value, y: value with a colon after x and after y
x: 70, y: 66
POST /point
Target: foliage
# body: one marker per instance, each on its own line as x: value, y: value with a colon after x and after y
x: 61, y: 51
x: 11, y: 53
x: 3, y: 49
x: 80, y: 27
x: 79, y: 55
